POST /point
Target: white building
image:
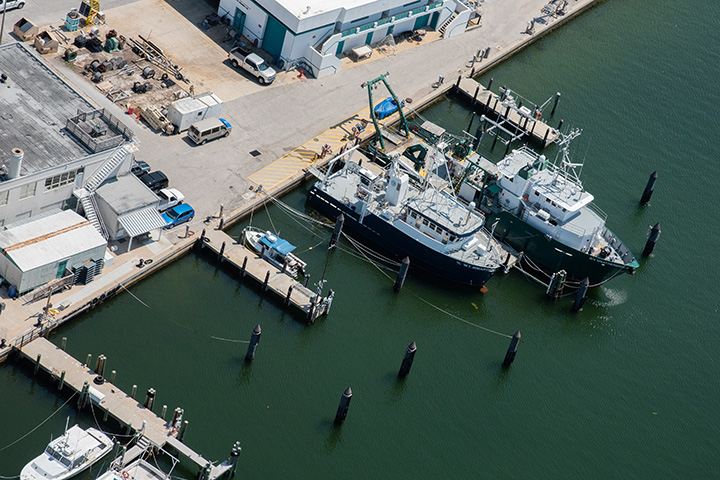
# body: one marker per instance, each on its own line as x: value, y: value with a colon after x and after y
x: 56, y: 148
x: 47, y: 247
x: 316, y: 32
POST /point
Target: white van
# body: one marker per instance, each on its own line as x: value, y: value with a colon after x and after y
x: 209, y: 129
x: 11, y: 5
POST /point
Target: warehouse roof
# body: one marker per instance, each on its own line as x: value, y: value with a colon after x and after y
x: 50, y: 238
x: 35, y: 104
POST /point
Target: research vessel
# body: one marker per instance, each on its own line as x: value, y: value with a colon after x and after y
x: 543, y: 210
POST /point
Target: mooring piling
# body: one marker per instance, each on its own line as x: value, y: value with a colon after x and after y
x: 287, y: 297
x: 112, y: 377
x: 408, y: 360
x: 149, y: 399
x: 87, y: 362
x: 339, y: 221
x: 556, y: 285
x: 100, y: 364
x: 581, y: 293
x: 343, y: 407
x: 402, y: 273
x: 163, y: 412
x: 512, y: 350
x: 62, y: 380
x: 265, y: 283
x: 652, y: 240
x: 649, y: 188
x: 183, y: 429
x: 221, y: 253
x: 133, y: 391
x: 243, y: 269
x: 37, y: 364
x: 254, y: 341
x: 63, y: 344
x: 234, y: 457
x: 560, y: 124
x: 557, y: 100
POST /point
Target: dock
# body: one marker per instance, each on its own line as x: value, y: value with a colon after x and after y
x: 515, y: 119
x: 271, y: 278
x: 113, y: 402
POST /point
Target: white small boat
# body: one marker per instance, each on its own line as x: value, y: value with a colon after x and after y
x: 274, y: 250
x: 68, y: 455
x: 137, y: 470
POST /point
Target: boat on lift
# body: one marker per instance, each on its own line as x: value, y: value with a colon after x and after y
x: 274, y: 250
x: 72, y: 453
x: 543, y: 210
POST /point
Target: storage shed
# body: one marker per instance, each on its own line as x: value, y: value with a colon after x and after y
x: 186, y: 111
x: 49, y: 246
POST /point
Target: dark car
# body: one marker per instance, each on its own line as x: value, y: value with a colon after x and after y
x: 154, y: 180
x: 139, y: 167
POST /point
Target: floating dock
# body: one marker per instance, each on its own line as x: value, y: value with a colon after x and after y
x: 271, y: 278
x: 515, y: 119
x: 114, y: 403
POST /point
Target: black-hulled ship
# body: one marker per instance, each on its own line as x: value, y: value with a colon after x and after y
x: 542, y: 210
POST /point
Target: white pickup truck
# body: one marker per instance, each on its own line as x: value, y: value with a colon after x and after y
x: 242, y: 56
x: 169, y: 197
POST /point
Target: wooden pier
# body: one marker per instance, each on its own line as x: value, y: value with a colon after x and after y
x: 113, y: 402
x: 516, y: 119
x: 272, y: 279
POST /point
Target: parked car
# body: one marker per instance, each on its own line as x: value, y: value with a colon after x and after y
x: 11, y: 5
x: 154, y: 180
x: 242, y: 56
x: 139, y: 167
x: 169, y: 197
x: 209, y: 129
x: 178, y: 214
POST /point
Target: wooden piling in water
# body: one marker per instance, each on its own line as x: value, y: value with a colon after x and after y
x: 402, y: 273
x: 408, y: 360
x: 649, y: 188
x: 343, y: 407
x: 254, y: 342
x: 580, y: 297
x: 652, y: 240
x: 512, y: 350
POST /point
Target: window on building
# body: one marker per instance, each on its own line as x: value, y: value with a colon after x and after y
x: 59, y: 180
x: 27, y: 190
x: 4, y: 197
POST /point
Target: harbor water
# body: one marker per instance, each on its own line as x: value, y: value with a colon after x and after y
x: 622, y: 389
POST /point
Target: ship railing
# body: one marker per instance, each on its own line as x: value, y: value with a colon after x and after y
x: 597, y: 211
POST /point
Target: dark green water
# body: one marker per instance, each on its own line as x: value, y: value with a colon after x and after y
x: 624, y: 389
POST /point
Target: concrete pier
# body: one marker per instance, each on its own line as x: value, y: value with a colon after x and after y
x: 112, y: 401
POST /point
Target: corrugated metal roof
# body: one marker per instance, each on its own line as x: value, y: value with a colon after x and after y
x: 49, y: 239
x: 141, y: 221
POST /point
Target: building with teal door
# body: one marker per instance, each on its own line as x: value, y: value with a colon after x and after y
x: 294, y: 32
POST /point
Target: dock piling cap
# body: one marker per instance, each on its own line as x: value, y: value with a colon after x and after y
x: 347, y: 392
x: 517, y: 334
x: 412, y: 347
x: 257, y: 329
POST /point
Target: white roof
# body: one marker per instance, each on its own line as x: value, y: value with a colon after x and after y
x: 141, y: 221
x: 188, y: 105
x: 49, y: 239
x: 299, y: 8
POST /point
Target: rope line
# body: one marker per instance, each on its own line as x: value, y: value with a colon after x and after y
x: 132, y: 295
x: 439, y: 309
x: 38, y: 426
x: 229, y: 339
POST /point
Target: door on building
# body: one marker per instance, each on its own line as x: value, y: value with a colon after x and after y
x: 421, y: 22
x: 61, y: 269
x: 239, y: 22
x: 274, y: 37
x: 434, y: 20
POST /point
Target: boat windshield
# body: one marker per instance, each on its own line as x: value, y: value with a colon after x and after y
x: 58, y: 456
